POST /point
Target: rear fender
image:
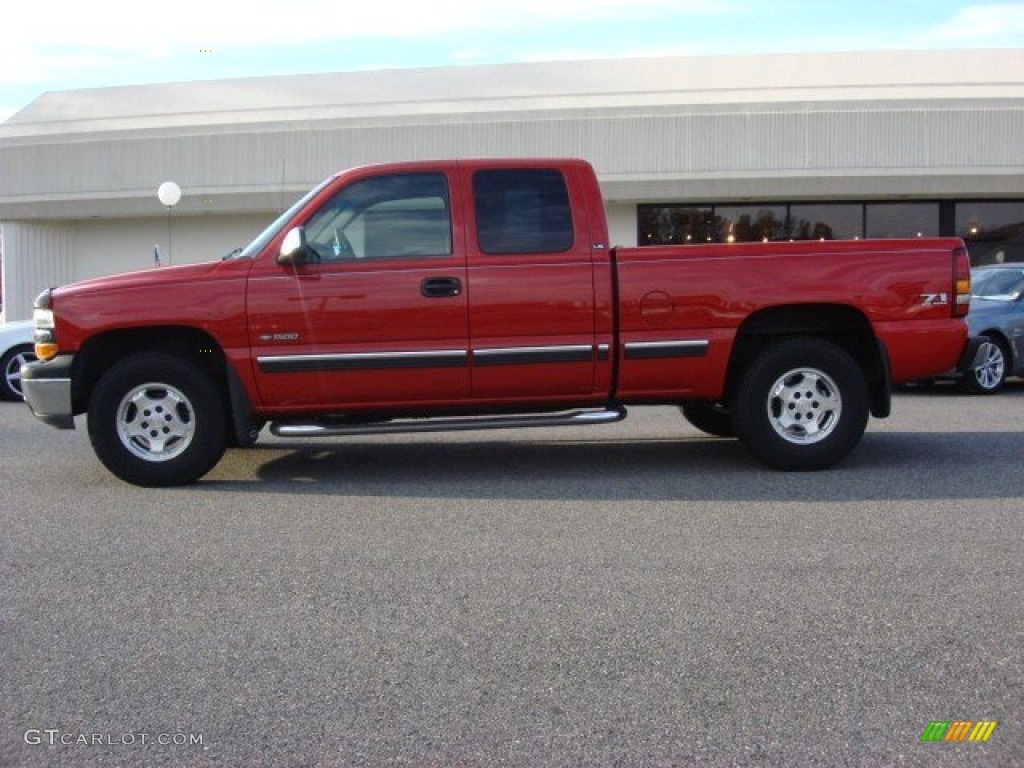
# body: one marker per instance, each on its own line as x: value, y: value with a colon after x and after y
x: 842, y: 325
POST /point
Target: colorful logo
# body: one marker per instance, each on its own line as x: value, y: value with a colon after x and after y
x: 958, y: 730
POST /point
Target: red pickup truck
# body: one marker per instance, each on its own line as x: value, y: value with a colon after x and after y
x: 485, y: 294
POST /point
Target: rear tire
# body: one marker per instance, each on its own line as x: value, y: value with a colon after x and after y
x: 157, y: 420
x: 802, y: 405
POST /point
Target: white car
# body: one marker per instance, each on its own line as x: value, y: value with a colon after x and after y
x: 16, y: 344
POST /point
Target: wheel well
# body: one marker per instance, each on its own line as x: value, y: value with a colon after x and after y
x: 997, y: 335
x: 104, y: 350
x: 838, y: 324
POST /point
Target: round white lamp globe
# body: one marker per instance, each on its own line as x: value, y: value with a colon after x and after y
x: 169, y: 194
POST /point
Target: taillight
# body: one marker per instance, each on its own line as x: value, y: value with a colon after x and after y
x: 961, y: 282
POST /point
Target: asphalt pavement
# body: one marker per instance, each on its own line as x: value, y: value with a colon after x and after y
x: 628, y: 595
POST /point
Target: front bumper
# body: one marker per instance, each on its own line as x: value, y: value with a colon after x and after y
x: 47, y: 390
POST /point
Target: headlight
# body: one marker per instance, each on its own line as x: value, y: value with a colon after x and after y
x: 44, y: 300
x: 42, y: 316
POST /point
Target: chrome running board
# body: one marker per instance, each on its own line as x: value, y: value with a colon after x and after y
x: 577, y: 418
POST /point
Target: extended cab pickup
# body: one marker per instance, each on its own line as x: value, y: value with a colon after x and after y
x: 485, y: 294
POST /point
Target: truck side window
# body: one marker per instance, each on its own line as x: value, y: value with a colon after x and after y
x: 385, y: 217
x: 522, y: 211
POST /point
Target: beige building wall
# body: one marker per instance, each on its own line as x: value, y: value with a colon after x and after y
x: 79, y: 170
x: 52, y: 262
x: 57, y: 253
x: 108, y: 247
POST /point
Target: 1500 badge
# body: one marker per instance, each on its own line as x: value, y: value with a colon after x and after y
x: 279, y: 337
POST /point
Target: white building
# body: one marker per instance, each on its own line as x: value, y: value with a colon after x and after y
x: 687, y: 150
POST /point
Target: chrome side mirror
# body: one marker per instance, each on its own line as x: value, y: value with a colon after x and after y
x: 294, y: 248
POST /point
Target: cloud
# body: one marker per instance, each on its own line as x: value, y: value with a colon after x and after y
x: 73, y: 44
x: 63, y: 41
x: 979, y: 25
x: 128, y: 25
x: 66, y: 40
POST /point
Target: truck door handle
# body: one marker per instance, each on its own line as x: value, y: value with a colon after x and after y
x: 441, y: 287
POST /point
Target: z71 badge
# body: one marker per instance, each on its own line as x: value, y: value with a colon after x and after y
x: 934, y: 299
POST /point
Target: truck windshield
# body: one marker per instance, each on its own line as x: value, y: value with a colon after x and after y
x: 252, y: 249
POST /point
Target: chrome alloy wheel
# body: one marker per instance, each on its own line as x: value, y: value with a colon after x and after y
x: 804, y: 406
x: 12, y: 371
x: 991, y: 366
x: 156, y: 422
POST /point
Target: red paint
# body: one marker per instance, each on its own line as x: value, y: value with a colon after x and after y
x: 520, y: 320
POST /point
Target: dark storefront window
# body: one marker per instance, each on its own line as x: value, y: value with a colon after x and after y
x: 826, y: 221
x: 749, y: 223
x: 685, y: 225
x: 675, y: 225
x: 886, y: 220
x: 993, y: 230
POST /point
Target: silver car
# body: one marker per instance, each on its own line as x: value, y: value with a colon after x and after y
x: 16, y: 345
x: 997, y: 314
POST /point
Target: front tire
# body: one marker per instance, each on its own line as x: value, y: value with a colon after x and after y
x: 802, y: 405
x: 157, y: 420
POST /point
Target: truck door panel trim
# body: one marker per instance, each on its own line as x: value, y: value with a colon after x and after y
x: 654, y: 350
x: 444, y: 358
x: 575, y: 353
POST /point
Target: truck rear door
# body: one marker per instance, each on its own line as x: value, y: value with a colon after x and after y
x: 531, y: 284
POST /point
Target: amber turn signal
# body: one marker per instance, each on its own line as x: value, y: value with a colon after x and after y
x: 46, y: 350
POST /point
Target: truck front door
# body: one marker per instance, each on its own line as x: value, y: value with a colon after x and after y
x: 376, y: 315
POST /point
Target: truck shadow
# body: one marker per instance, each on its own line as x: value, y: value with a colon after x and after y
x: 885, y: 466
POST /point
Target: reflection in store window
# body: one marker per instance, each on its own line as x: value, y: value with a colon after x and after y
x: 993, y: 230
x: 674, y: 225
x: 887, y: 220
x: 826, y: 221
x: 689, y: 225
x: 749, y: 223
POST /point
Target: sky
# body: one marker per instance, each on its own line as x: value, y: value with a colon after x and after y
x: 70, y: 44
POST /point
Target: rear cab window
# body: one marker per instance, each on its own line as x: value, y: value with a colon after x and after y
x: 522, y: 211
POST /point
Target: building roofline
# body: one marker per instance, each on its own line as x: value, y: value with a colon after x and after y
x: 525, y: 87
